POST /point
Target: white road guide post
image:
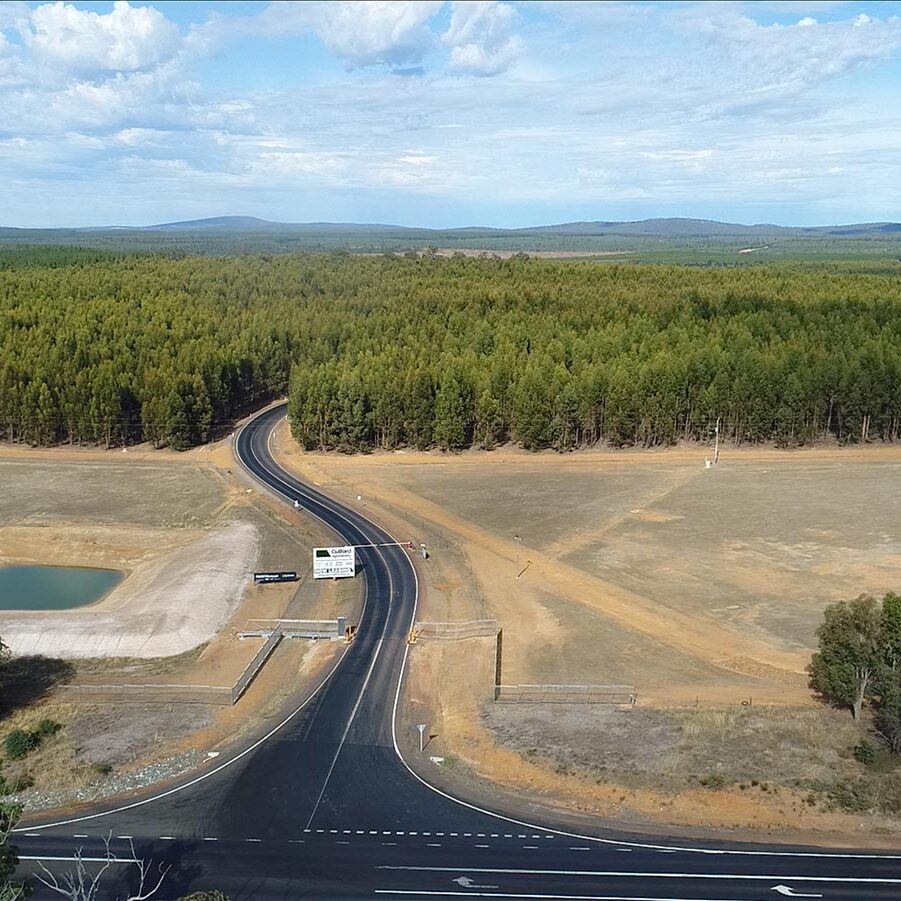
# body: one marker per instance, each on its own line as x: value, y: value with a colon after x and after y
x: 334, y: 562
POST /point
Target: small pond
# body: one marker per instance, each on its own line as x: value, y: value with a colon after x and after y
x: 54, y: 587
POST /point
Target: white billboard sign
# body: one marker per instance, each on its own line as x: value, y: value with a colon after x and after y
x: 334, y: 562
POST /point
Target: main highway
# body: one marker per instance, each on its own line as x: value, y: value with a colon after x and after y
x: 325, y: 805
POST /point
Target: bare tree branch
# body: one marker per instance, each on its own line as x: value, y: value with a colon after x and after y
x: 79, y: 885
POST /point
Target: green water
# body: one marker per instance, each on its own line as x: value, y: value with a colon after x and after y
x: 53, y: 587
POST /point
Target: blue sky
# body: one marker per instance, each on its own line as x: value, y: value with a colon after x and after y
x: 449, y: 113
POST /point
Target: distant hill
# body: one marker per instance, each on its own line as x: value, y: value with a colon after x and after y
x: 668, y: 228
x: 661, y: 227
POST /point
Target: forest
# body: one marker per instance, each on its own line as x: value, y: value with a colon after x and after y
x: 386, y: 351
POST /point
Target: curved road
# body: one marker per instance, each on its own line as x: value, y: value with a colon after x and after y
x: 326, y: 806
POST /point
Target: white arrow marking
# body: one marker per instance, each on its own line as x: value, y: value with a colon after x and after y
x: 786, y: 890
x: 466, y: 882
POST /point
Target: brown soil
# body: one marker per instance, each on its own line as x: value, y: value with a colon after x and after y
x: 692, y: 600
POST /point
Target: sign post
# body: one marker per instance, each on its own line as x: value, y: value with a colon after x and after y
x: 422, y: 727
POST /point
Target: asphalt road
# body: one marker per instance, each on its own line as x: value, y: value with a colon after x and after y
x: 325, y: 805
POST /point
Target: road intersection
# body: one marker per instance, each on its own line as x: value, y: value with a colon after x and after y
x: 325, y: 805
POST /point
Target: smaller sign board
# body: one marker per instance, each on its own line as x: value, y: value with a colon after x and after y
x: 334, y: 562
x: 263, y: 578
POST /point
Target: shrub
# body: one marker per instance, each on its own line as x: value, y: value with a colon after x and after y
x: 205, y: 896
x: 47, y: 727
x: 19, y: 742
x: 715, y: 781
x: 865, y: 752
x: 102, y: 769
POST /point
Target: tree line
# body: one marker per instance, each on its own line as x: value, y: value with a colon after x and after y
x: 385, y: 352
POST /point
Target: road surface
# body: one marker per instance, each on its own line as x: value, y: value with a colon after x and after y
x: 325, y: 805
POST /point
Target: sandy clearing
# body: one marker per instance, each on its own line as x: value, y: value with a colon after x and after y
x: 182, y: 605
x: 703, y: 638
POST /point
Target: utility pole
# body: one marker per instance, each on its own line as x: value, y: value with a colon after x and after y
x: 716, y: 442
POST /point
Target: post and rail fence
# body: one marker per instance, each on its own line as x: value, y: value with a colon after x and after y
x: 614, y: 695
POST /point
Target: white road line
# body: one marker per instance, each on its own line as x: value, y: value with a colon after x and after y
x: 576, y: 848
x: 125, y: 836
x: 483, y: 846
x: 252, y: 839
x: 167, y: 838
x: 625, y: 874
x: 79, y: 835
x: 433, y: 844
x: 210, y: 838
x: 33, y: 835
x: 86, y: 859
x: 422, y: 893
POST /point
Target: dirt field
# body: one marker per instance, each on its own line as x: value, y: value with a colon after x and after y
x: 176, y: 524
x: 699, y: 587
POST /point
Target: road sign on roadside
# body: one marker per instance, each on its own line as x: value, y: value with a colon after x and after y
x: 334, y: 562
x: 263, y: 578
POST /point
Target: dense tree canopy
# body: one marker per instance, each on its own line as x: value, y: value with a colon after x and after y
x: 385, y: 351
x: 859, y: 660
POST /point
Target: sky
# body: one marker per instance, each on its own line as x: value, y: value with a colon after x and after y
x: 445, y: 114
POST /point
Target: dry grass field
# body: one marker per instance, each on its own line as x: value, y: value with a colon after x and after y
x: 700, y: 587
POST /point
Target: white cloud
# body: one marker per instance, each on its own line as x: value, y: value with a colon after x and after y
x: 126, y: 39
x: 12, y: 12
x: 789, y: 56
x: 360, y: 32
x: 481, y: 37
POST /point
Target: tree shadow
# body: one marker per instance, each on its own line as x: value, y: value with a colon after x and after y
x: 24, y: 680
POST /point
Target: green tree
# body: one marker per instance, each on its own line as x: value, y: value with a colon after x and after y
x: 9, y: 858
x: 452, y: 414
x: 888, y: 709
x: 850, y: 656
